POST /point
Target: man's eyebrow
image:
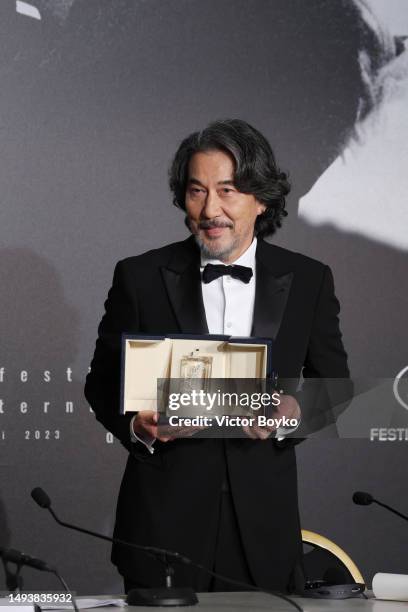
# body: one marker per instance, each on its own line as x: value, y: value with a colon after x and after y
x: 195, y: 181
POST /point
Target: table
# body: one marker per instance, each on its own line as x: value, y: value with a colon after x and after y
x: 260, y: 602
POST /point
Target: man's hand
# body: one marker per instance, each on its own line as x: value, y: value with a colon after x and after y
x: 146, y: 426
x: 288, y: 407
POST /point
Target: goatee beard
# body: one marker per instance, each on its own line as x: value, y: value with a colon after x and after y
x: 214, y: 252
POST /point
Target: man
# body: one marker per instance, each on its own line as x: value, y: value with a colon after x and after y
x: 230, y: 504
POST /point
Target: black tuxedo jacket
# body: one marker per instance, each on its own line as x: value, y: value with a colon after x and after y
x: 171, y: 499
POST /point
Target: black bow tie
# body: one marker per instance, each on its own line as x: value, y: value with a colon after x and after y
x: 211, y: 272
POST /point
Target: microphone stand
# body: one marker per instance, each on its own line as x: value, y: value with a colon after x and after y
x: 169, y: 595
x: 14, y: 580
x: 67, y: 589
x: 404, y: 516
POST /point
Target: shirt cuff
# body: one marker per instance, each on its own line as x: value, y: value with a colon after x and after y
x: 282, y: 432
x: 135, y: 438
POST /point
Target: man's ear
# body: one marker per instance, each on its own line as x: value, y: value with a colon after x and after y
x: 260, y: 208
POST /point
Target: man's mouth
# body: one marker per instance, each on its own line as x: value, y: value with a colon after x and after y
x: 213, y: 231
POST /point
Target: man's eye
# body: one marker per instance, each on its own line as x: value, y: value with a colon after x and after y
x: 227, y: 190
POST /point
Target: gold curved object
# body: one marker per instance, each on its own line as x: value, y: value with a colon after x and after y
x: 315, y: 539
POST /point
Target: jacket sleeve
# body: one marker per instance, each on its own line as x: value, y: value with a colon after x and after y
x: 102, y: 388
x: 327, y: 388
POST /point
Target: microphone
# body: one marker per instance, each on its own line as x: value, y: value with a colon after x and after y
x: 170, y: 595
x: 365, y: 499
x: 20, y: 558
x: 40, y: 497
x: 14, y: 581
x: 362, y: 499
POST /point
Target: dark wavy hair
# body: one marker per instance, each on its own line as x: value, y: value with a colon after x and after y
x: 255, y: 168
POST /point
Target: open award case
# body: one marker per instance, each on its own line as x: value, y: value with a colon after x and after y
x: 155, y: 366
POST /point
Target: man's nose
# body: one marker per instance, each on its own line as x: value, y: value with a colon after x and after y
x: 212, y: 206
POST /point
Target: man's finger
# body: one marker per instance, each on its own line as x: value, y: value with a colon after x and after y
x: 250, y: 432
x: 258, y: 433
x: 164, y: 438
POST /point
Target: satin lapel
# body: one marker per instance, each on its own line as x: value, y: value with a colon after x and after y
x: 183, y: 283
x: 271, y: 296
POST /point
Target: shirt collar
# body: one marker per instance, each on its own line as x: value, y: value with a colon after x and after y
x: 246, y: 259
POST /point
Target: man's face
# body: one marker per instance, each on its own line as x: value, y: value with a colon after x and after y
x: 221, y: 218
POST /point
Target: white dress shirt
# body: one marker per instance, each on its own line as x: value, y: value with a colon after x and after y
x: 228, y: 302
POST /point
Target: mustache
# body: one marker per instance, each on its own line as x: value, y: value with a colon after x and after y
x: 210, y: 224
